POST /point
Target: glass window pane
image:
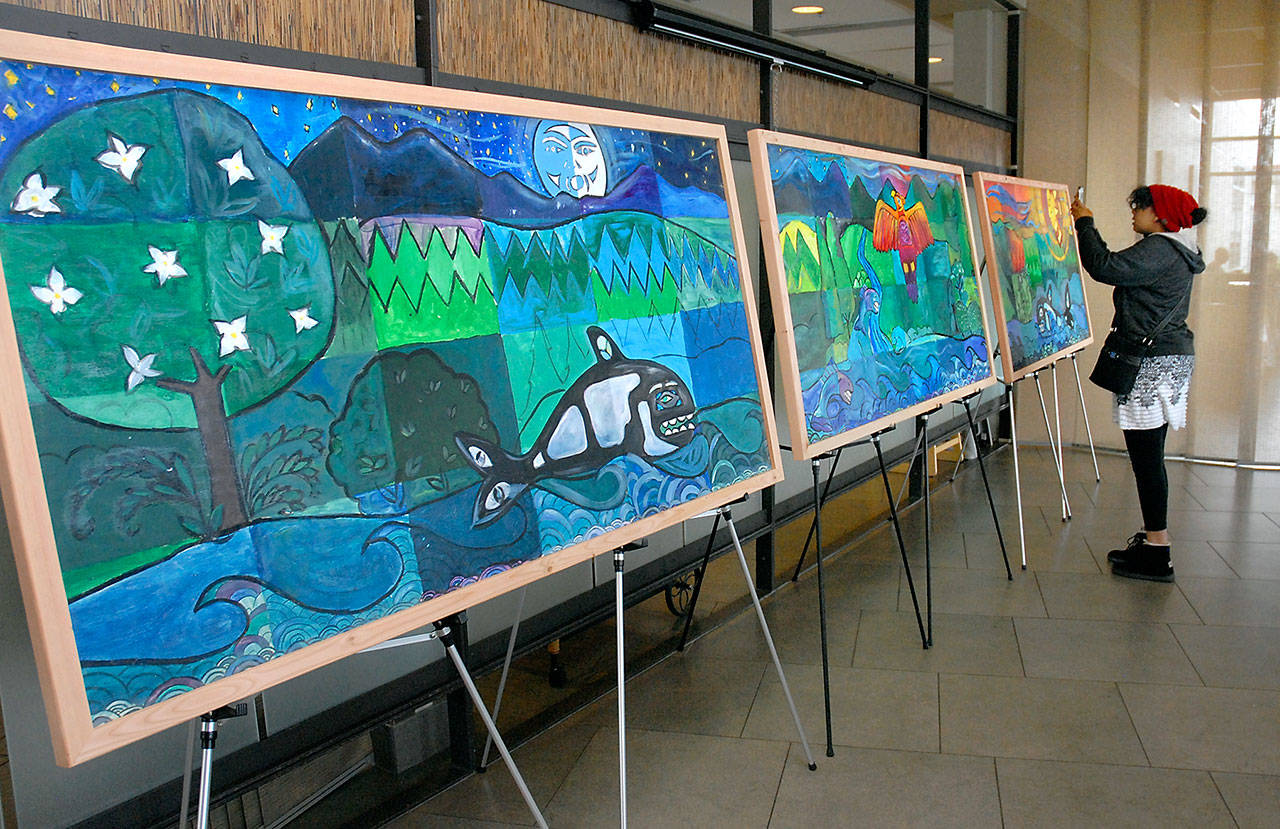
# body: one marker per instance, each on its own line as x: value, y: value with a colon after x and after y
x: 734, y: 12
x: 877, y: 34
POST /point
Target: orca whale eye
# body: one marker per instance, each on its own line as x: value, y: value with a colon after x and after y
x: 604, y: 348
x: 480, y: 457
x: 667, y: 399
x: 497, y: 496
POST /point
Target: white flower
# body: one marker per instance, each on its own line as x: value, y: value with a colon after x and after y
x: 164, y: 264
x: 272, y: 236
x: 302, y: 319
x: 121, y: 157
x: 56, y: 293
x: 232, y: 334
x: 139, y: 367
x: 235, y: 168
x: 34, y: 198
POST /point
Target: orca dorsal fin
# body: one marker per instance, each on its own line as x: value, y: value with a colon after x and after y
x: 602, y: 344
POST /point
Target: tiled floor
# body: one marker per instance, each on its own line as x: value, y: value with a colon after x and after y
x: 1066, y: 697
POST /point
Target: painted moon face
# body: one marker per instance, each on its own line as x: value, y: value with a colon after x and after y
x: 568, y: 159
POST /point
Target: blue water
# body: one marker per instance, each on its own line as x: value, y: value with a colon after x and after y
x: 844, y: 395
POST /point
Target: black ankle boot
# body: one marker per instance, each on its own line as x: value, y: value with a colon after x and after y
x: 1135, y: 541
x: 1149, y: 562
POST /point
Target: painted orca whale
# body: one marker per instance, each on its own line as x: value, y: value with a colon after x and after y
x: 617, y: 406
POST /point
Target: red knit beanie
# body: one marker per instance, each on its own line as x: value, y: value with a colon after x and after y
x: 1172, y: 206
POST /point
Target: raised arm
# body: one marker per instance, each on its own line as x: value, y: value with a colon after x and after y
x: 1138, y: 264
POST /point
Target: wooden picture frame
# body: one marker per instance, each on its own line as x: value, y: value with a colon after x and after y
x: 1045, y: 313
x: 610, y: 396
x: 834, y: 383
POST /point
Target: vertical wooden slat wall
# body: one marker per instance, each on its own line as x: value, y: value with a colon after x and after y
x: 539, y: 44
x: 951, y: 136
x: 377, y: 30
x: 809, y: 104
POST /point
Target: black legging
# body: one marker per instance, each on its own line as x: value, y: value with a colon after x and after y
x: 1146, y: 454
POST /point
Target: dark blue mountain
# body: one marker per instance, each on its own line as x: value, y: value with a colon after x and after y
x: 797, y: 191
x: 347, y: 172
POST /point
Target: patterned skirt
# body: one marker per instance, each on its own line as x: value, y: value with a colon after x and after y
x: 1159, y: 395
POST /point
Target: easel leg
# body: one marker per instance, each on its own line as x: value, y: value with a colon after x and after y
x: 186, y: 775
x: 619, y: 558
x: 813, y: 525
x: 816, y: 465
x: 1057, y: 428
x: 764, y: 628
x: 897, y: 529
x: 697, y: 584
x: 1053, y: 449
x: 1085, y: 414
x: 1017, y: 476
x: 208, y: 738
x: 973, y: 429
x: 928, y: 572
x: 502, y: 682
x: 450, y: 646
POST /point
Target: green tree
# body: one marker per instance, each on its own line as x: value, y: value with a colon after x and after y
x: 193, y: 280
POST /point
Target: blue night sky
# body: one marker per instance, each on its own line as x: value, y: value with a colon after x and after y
x: 33, y: 96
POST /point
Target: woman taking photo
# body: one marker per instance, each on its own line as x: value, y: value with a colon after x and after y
x: 1152, y: 296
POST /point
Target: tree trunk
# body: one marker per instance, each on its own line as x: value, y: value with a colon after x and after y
x: 211, y: 420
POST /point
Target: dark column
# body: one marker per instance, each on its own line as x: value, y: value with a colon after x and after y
x: 762, y: 22
x: 425, y: 43
x: 922, y: 71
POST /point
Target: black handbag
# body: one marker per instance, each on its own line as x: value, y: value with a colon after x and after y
x: 1118, y: 364
x: 1121, y: 358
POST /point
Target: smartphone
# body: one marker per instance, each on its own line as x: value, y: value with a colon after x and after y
x: 1080, y: 194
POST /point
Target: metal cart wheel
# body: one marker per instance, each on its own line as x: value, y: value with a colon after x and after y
x: 679, y: 593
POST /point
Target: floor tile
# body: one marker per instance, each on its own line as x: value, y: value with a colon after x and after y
x: 1105, y: 651
x: 1229, y: 477
x: 1060, y: 552
x: 1216, y: 729
x: 1036, y: 719
x: 968, y: 644
x: 1096, y: 521
x: 1248, y: 527
x: 1233, y: 657
x: 868, y: 787
x: 544, y: 763
x: 1250, y: 561
x: 1254, y: 800
x: 670, y: 779
x: 977, y: 591
x: 1108, y: 597
x: 1190, y: 558
x: 1233, y: 602
x: 794, y: 623
x: 1121, y: 492
x: 687, y: 694
x: 1039, y: 793
x: 869, y: 709
x: 421, y: 820
x: 1242, y: 498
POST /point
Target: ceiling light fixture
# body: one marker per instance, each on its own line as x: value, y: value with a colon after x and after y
x: 935, y: 60
x: 808, y: 9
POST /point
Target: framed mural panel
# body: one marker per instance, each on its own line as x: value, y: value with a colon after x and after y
x: 292, y: 363
x: 1033, y: 268
x: 875, y: 287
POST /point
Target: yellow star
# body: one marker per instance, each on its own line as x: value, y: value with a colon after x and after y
x: 10, y: 77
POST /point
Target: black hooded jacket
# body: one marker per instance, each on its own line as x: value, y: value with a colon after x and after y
x: 1150, y: 278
